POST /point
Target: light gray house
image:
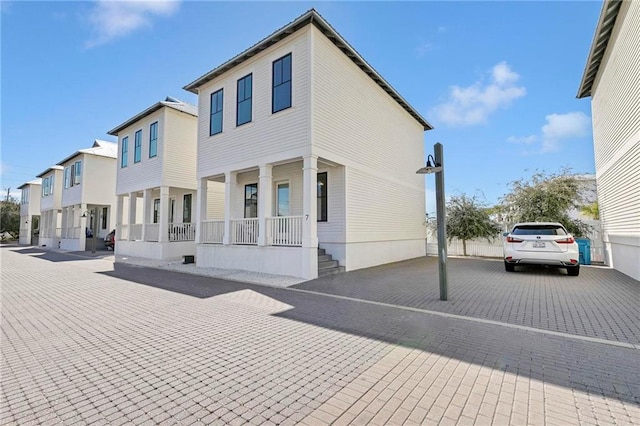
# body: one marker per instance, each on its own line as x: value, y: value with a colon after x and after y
x: 30, y: 212
x: 612, y: 80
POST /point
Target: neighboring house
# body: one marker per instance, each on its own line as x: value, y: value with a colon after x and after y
x: 51, y: 207
x: 88, y: 196
x: 156, y: 182
x: 315, y: 149
x: 612, y: 80
x: 30, y: 212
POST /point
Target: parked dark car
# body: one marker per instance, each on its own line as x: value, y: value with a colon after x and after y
x: 110, y: 240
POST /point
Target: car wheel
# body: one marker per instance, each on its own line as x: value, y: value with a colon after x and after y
x: 573, y: 271
x: 509, y: 267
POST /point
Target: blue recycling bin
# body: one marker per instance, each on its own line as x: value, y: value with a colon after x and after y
x: 584, y: 247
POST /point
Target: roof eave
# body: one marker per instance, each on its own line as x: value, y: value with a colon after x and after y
x: 606, y: 22
x: 153, y: 108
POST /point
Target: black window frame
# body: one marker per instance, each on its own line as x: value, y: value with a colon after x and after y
x: 156, y: 210
x: 153, y: 141
x: 216, y: 111
x: 186, y: 208
x: 278, y: 81
x: 322, y: 198
x: 105, y: 215
x: 242, y: 84
x: 124, y: 160
x: 137, y: 147
x: 249, y: 202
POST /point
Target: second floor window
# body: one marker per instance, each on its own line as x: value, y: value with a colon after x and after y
x: 76, y: 173
x: 67, y: 177
x: 281, y: 96
x: 125, y: 151
x: 137, y: 149
x: 25, y: 196
x: 153, y: 140
x: 47, y: 186
x: 215, y: 126
x: 244, y: 100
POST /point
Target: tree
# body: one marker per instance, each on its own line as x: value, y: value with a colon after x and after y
x: 546, y: 198
x: 10, y: 216
x: 468, y: 219
x: 591, y: 210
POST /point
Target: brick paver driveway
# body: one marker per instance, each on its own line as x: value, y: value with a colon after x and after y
x: 86, y: 343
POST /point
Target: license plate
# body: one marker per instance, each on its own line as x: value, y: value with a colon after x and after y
x: 537, y: 244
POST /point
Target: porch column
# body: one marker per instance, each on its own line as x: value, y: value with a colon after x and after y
x: 163, y: 232
x: 265, y: 202
x: 146, y: 208
x: 201, y: 207
x: 310, y: 202
x: 119, y: 209
x: 133, y: 204
x: 229, y: 203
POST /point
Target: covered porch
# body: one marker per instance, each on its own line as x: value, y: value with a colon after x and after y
x: 81, y: 223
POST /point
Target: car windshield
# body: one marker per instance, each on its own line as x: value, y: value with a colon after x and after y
x: 539, y: 230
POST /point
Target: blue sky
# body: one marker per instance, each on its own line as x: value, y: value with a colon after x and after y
x: 498, y: 80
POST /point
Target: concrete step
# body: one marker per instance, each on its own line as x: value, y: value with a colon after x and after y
x: 327, y: 264
x: 324, y: 257
x: 330, y: 271
x: 321, y: 252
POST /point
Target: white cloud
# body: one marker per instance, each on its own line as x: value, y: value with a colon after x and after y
x: 473, y: 104
x: 563, y: 126
x: 114, y: 19
x: 523, y: 140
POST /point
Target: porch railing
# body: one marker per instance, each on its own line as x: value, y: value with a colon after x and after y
x: 57, y: 233
x: 135, y: 232
x: 152, y: 232
x: 182, y: 232
x: 212, y: 231
x: 124, y: 233
x: 244, y: 231
x: 284, y: 231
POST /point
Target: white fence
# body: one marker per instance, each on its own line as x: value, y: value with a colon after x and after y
x: 284, y: 231
x: 212, y: 231
x: 244, y: 231
x: 182, y: 232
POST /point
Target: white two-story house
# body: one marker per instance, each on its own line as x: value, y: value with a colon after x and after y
x: 316, y: 151
x: 156, y: 182
x: 50, y: 207
x: 88, y: 196
x: 30, y: 212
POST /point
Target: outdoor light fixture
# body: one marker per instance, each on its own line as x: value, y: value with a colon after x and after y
x: 437, y: 168
x: 429, y: 167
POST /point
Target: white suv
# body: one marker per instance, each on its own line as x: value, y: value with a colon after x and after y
x: 541, y: 243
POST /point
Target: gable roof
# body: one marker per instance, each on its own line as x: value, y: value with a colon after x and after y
x: 607, y: 20
x: 31, y: 182
x: 100, y: 148
x: 169, y: 102
x: 310, y: 17
x: 56, y: 167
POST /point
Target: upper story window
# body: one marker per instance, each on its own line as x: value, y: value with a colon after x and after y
x: 137, y: 148
x: 281, y: 96
x: 322, y: 197
x: 47, y: 186
x: 245, y: 90
x: 153, y: 140
x: 215, y: 125
x: 125, y: 151
x: 251, y: 200
x: 67, y: 177
x: 76, y: 173
x: 25, y: 196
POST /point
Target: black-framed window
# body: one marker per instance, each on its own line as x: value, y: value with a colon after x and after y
x: 215, y: 125
x: 153, y: 139
x: 137, y: 149
x: 245, y: 91
x: 156, y: 210
x: 76, y: 173
x: 125, y: 151
x: 105, y: 212
x: 186, y: 208
x: 251, y: 200
x: 281, y: 95
x: 322, y: 197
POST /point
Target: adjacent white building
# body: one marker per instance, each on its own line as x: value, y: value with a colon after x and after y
x: 30, y: 212
x: 612, y: 80
x: 51, y: 207
x: 87, y: 179
x: 156, y: 182
x: 314, y: 149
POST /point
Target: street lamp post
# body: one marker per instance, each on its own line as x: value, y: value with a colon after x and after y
x: 438, y: 168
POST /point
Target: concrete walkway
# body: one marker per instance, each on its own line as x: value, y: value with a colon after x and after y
x: 86, y: 341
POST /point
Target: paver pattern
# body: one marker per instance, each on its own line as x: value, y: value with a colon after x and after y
x: 86, y: 343
x: 601, y: 303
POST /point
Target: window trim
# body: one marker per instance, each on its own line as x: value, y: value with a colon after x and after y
x: 137, y: 147
x: 124, y: 152
x: 245, y: 99
x: 212, y: 112
x: 153, y: 142
x: 273, y: 83
x: 324, y: 207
